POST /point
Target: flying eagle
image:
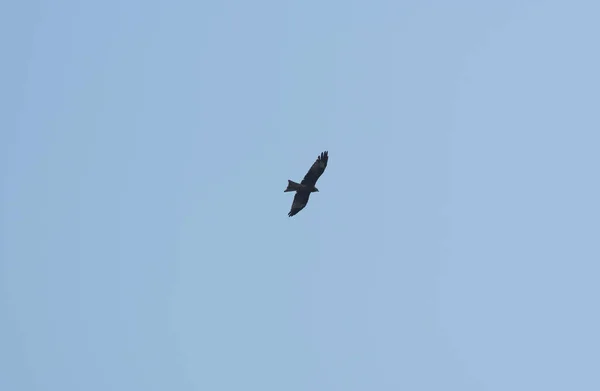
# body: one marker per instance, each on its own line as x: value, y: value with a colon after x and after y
x: 307, y: 185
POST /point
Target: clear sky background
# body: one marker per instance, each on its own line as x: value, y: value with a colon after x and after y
x: 145, y: 243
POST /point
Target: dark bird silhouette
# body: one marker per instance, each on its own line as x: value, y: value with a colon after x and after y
x: 307, y: 186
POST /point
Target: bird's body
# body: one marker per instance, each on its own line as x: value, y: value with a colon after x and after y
x: 307, y: 185
x: 293, y: 186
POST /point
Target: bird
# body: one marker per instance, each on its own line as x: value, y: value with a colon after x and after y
x: 307, y: 186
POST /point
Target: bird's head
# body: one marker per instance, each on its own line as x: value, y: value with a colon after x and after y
x: 315, y: 190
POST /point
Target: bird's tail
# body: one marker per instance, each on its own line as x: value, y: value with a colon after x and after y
x: 292, y: 186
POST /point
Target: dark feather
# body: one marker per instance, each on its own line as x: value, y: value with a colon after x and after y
x: 318, y: 167
x: 300, y: 201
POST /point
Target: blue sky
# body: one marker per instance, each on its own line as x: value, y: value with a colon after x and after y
x: 144, y: 237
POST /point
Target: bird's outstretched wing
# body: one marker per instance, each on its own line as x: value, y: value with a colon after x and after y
x: 300, y: 201
x: 316, y: 169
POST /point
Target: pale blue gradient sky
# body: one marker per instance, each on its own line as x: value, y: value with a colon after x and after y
x: 145, y: 243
